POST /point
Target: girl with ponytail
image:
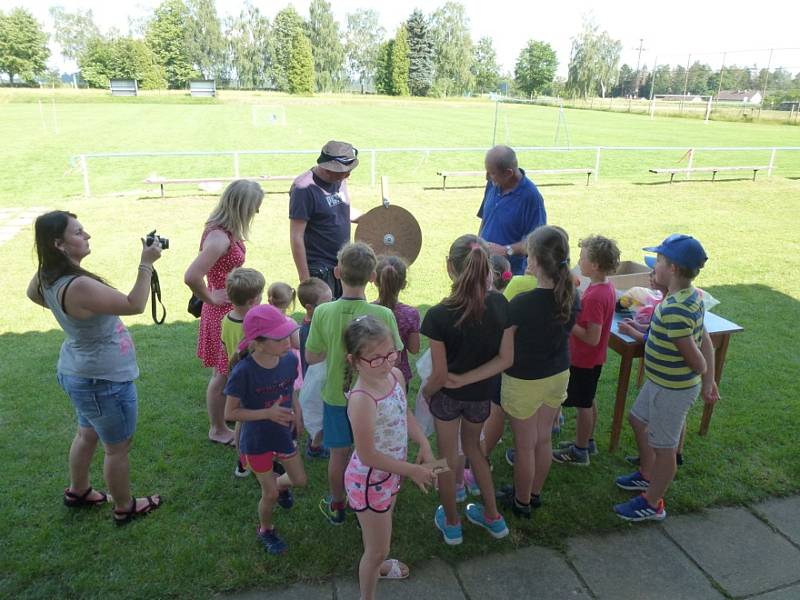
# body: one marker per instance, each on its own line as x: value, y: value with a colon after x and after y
x: 466, y: 330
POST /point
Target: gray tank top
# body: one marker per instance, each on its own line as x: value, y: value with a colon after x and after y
x: 99, y: 347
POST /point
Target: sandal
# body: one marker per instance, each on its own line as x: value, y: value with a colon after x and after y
x: 395, y: 572
x: 121, y: 517
x: 75, y: 500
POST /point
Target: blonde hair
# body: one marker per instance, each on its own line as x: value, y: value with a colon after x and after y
x: 236, y: 208
x: 281, y: 295
x: 602, y: 251
x: 357, y: 262
x: 243, y: 285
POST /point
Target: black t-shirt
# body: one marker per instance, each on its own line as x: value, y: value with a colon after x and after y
x: 326, y: 209
x: 541, y: 346
x: 470, y: 344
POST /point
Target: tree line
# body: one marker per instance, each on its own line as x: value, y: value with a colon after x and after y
x: 428, y: 55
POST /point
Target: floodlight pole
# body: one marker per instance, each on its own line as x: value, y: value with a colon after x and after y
x: 685, y: 82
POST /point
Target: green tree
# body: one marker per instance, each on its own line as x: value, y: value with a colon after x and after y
x: 535, y: 68
x: 484, y: 66
x: 168, y: 36
x: 594, y: 62
x: 73, y: 30
x: 699, y: 75
x: 400, y: 63
x: 250, y: 50
x: 452, y: 50
x: 421, y: 64
x: 326, y: 45
x: 383, y: 68
x: 626, y: 81
x: 363, y: 44
x: 300, y: 73
x: 23, y: 45
x: 120, y: 58
x: 284, y: 27
x: 205, y: 44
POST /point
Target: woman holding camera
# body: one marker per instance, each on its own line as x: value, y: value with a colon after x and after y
x: 222, y: 250
x: 97, y: 364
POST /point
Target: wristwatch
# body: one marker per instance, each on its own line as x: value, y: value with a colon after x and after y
x: 509, y: 251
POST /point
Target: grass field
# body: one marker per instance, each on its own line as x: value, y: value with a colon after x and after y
x: 202, y: 540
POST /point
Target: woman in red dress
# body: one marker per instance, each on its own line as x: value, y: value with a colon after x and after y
x: 222, y: 250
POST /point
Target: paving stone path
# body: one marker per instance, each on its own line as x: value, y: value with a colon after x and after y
x: 750, y: 553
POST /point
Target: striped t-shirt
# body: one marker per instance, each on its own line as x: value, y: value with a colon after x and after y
x: 679, y: 315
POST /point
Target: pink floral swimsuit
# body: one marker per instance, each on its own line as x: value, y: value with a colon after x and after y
x: 373, y: 489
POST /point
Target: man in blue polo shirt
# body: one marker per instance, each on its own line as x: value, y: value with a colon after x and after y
x: 512, y: 207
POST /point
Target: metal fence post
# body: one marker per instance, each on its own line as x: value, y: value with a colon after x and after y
x: 87, y: 191
x: 373, y: 161
x: 597, y: 165
x: 771, y: 162
x: 236, y: 164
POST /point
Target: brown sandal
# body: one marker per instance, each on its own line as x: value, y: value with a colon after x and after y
x: 122, y: 517
x: 75, y: 500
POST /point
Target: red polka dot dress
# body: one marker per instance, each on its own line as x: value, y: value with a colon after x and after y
x: 210, y: 348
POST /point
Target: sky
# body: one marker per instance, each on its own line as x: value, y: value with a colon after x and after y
x: 704, y: 29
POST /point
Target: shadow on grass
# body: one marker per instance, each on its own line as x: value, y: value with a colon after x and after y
x: 668, y: 182
x: 483, y: 185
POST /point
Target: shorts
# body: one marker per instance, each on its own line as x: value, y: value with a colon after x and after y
x: 582, y: 386
x: 494, y: 389
x: 368, y: 488
x: 664, y: 411
x: 523, y: 397
x: 262, y: 463
x: 326, y: 274
x: 336, y: 430
x: 445, y: 408
x: 108, y: 407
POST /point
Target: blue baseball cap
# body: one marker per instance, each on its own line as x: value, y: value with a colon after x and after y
x: 681, y: 249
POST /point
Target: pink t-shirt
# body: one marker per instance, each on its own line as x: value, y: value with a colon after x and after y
x: 597, y: 306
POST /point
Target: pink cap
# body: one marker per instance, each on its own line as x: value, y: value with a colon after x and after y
x: 266, y: 321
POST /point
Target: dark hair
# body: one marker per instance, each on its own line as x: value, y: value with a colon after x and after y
x: 391, y: 279
x: 53, y: 263
x: 683, y: 272
x: 468, y: 261
x: 549, y: 245
x: 501, y: 271
x: 359, y: 333
x: 602, y: 251
x: 310, y: 291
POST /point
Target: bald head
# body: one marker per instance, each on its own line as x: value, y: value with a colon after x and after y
x: 502, y: 158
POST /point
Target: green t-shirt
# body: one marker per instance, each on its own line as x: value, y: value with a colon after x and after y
x: 231, y: 335
x: 327, y: 328
x: 519, y: 284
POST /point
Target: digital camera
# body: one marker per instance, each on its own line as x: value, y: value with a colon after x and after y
x: 152, y: 237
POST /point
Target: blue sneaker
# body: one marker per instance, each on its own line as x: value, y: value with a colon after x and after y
x: 510, y: 456
x: 286, y: 499
x: 451, y: 533
x: 272, y: 542
x: 633, y: 482
x: 334, y: 516
x: 638, y: 509
x: 476, y: 516
x: 461, y: 493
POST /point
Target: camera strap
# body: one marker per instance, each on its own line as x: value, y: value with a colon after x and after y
x: 155, y: 293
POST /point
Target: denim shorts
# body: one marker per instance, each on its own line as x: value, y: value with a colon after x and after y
x: 108, y: 407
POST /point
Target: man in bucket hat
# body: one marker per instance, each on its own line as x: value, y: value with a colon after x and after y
x: 320, y: 213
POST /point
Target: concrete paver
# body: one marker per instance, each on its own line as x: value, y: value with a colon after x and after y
x: 789, y: 593
x: 298, y: 591
x: 527, y: 573
x: 431, y: 580
x: 741, y: 553
x: 642, y: 564
x: 784, y: 514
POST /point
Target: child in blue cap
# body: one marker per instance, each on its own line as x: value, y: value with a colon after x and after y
x: 679, y: 363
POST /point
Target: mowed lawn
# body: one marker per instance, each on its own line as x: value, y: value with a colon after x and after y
x: 202, y: 540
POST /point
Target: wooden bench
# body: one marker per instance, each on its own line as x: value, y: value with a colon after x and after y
x: 712, y: 170
x: 161, y: 181
x: 445, y: 174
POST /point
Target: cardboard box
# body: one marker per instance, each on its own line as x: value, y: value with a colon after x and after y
x: 629, y: 274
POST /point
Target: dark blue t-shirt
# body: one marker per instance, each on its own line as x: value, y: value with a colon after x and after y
x: 304, y: 329
x: 257, y: 388
x: 509, y: 217
x: 325, y: 207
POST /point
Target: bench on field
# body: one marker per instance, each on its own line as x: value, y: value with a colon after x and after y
x: 445, y: 174
x: 712, y: 170
x: 203, y: 88
x: 124, y: 87
x: 161, y: 181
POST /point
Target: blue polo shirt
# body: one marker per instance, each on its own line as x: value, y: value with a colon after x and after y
x: 509, y: 217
